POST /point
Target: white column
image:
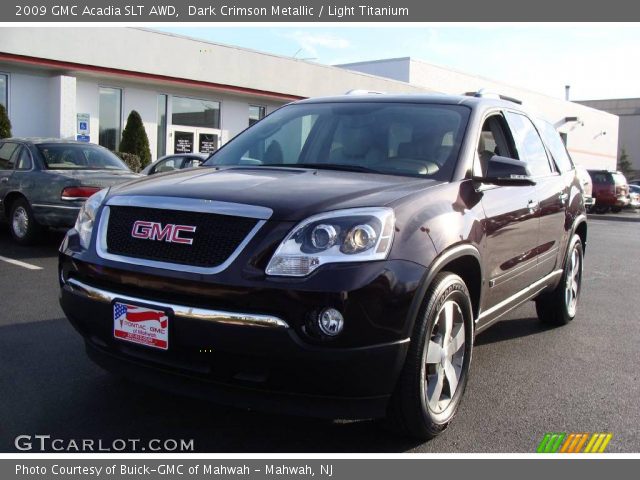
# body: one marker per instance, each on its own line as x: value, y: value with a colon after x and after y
x: 64, y: 106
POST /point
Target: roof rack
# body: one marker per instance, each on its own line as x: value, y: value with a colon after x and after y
x: 359, y: 91
x: 482, y: 93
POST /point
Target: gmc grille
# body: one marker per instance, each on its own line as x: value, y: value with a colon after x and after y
x: 215, y: 239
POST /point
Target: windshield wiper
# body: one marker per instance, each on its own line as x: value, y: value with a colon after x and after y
x: 323, y: 166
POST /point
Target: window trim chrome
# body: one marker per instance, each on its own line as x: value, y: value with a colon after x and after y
x: 262, y: 214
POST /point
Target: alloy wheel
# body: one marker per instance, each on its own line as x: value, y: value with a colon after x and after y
x: 20, y: 222
x: 572, y: 282
x: 444, y: 357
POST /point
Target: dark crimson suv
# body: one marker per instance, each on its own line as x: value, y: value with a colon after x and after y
x: 336, y: 259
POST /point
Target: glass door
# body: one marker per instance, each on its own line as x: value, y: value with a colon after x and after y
x: 193, y: 140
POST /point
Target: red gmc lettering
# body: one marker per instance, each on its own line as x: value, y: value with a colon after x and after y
x: 155, y: 231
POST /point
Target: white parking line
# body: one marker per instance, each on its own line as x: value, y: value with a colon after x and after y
x: 28, y: 266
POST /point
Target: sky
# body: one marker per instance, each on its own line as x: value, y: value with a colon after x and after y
x: 598, y: 61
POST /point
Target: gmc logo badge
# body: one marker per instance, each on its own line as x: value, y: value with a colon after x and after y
x: 155, y: 231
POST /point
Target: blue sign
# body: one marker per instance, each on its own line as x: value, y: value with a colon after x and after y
x: 83, y: 138
x: 83, y: 126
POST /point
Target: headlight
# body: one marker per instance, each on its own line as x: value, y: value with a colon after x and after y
x: 87, y: 217
x: 353, y: 235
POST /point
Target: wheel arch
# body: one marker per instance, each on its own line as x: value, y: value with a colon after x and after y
x: 9, y: 199
x: 462, y: 260
x: 580, y: 229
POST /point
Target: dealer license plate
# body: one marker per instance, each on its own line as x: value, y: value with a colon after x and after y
x: 141, y: 325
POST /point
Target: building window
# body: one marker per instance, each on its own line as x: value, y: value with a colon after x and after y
x: 256, y: 113
x: 110, y: 117
x: 193, y: 112
x: 162, y: 126
x: 4, y: 90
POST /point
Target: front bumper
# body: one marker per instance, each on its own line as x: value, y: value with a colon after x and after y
x: 259, y: 358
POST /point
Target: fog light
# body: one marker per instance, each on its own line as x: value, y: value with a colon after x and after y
x: 330, y: 322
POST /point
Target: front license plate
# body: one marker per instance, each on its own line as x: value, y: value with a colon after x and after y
x: 141, y: 325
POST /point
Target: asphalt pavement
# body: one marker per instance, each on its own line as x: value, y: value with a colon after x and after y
x: 526, y: 379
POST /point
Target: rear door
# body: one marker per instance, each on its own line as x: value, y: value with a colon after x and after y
x: 552, y: 191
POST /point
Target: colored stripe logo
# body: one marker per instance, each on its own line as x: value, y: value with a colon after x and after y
x: 574, y: 442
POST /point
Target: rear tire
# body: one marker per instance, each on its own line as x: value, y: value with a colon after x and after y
x: 559, y: 306
x: 616, y: 209
x: 434, y: 377
x: 600, y: 210
x: 25, y: 230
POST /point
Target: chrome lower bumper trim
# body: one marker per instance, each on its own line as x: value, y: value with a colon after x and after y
x: 180, y: 311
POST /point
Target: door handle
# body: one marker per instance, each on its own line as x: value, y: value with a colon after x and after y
x: 533, y: 204
x: 4, y: 179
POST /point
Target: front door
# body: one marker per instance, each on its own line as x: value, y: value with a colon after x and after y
x: 183, y: 139
x: 512, y: 221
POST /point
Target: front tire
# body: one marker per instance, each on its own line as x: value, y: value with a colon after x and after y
x: 616, y: 209
x: 24, y: 227
x: 436, y: 370
x: 559, y: 306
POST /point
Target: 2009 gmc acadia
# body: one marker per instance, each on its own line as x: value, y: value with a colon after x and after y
x: 335, y: 259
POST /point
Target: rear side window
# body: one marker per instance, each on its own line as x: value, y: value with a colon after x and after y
x: 601, y: 177
x: 7, y: 157
x: 556, y: 147
x: 529, y: 145
x: 24, y: 161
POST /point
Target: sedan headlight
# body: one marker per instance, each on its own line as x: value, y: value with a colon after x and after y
x: 353, y: 235
x: 87, y: 217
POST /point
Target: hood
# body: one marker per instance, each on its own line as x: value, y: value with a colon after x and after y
x: 96, y: 178
x: 292, y: 193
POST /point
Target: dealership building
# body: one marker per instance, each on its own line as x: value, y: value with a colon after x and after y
x: 628, y: 111
x: 194, y: 95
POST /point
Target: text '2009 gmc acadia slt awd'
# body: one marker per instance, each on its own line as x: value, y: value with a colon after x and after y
x: 335, y: 259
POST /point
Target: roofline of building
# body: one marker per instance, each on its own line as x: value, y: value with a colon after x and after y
x: 45, y: 62
x: 380, y: 60
x: 625, y: 99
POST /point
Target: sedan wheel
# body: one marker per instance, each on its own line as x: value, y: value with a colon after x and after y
x: 20, y: 222
x: 24, y: 228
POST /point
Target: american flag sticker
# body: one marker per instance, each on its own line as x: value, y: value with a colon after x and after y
x: 141, y: 325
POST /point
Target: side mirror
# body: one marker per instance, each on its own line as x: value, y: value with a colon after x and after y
x: 506, y: 171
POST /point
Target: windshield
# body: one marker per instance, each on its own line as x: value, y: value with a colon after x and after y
x: 72, y: 156
x: 392, y: 138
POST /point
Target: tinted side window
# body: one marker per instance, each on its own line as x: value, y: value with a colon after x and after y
x: 600, y: 177
x: 7, y: 157
x: 493, y: 141
x: 192, y: 162
x: 529, y: 145
x: 168, y: 165
x: 24, y: 161
x: 556, y: 147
